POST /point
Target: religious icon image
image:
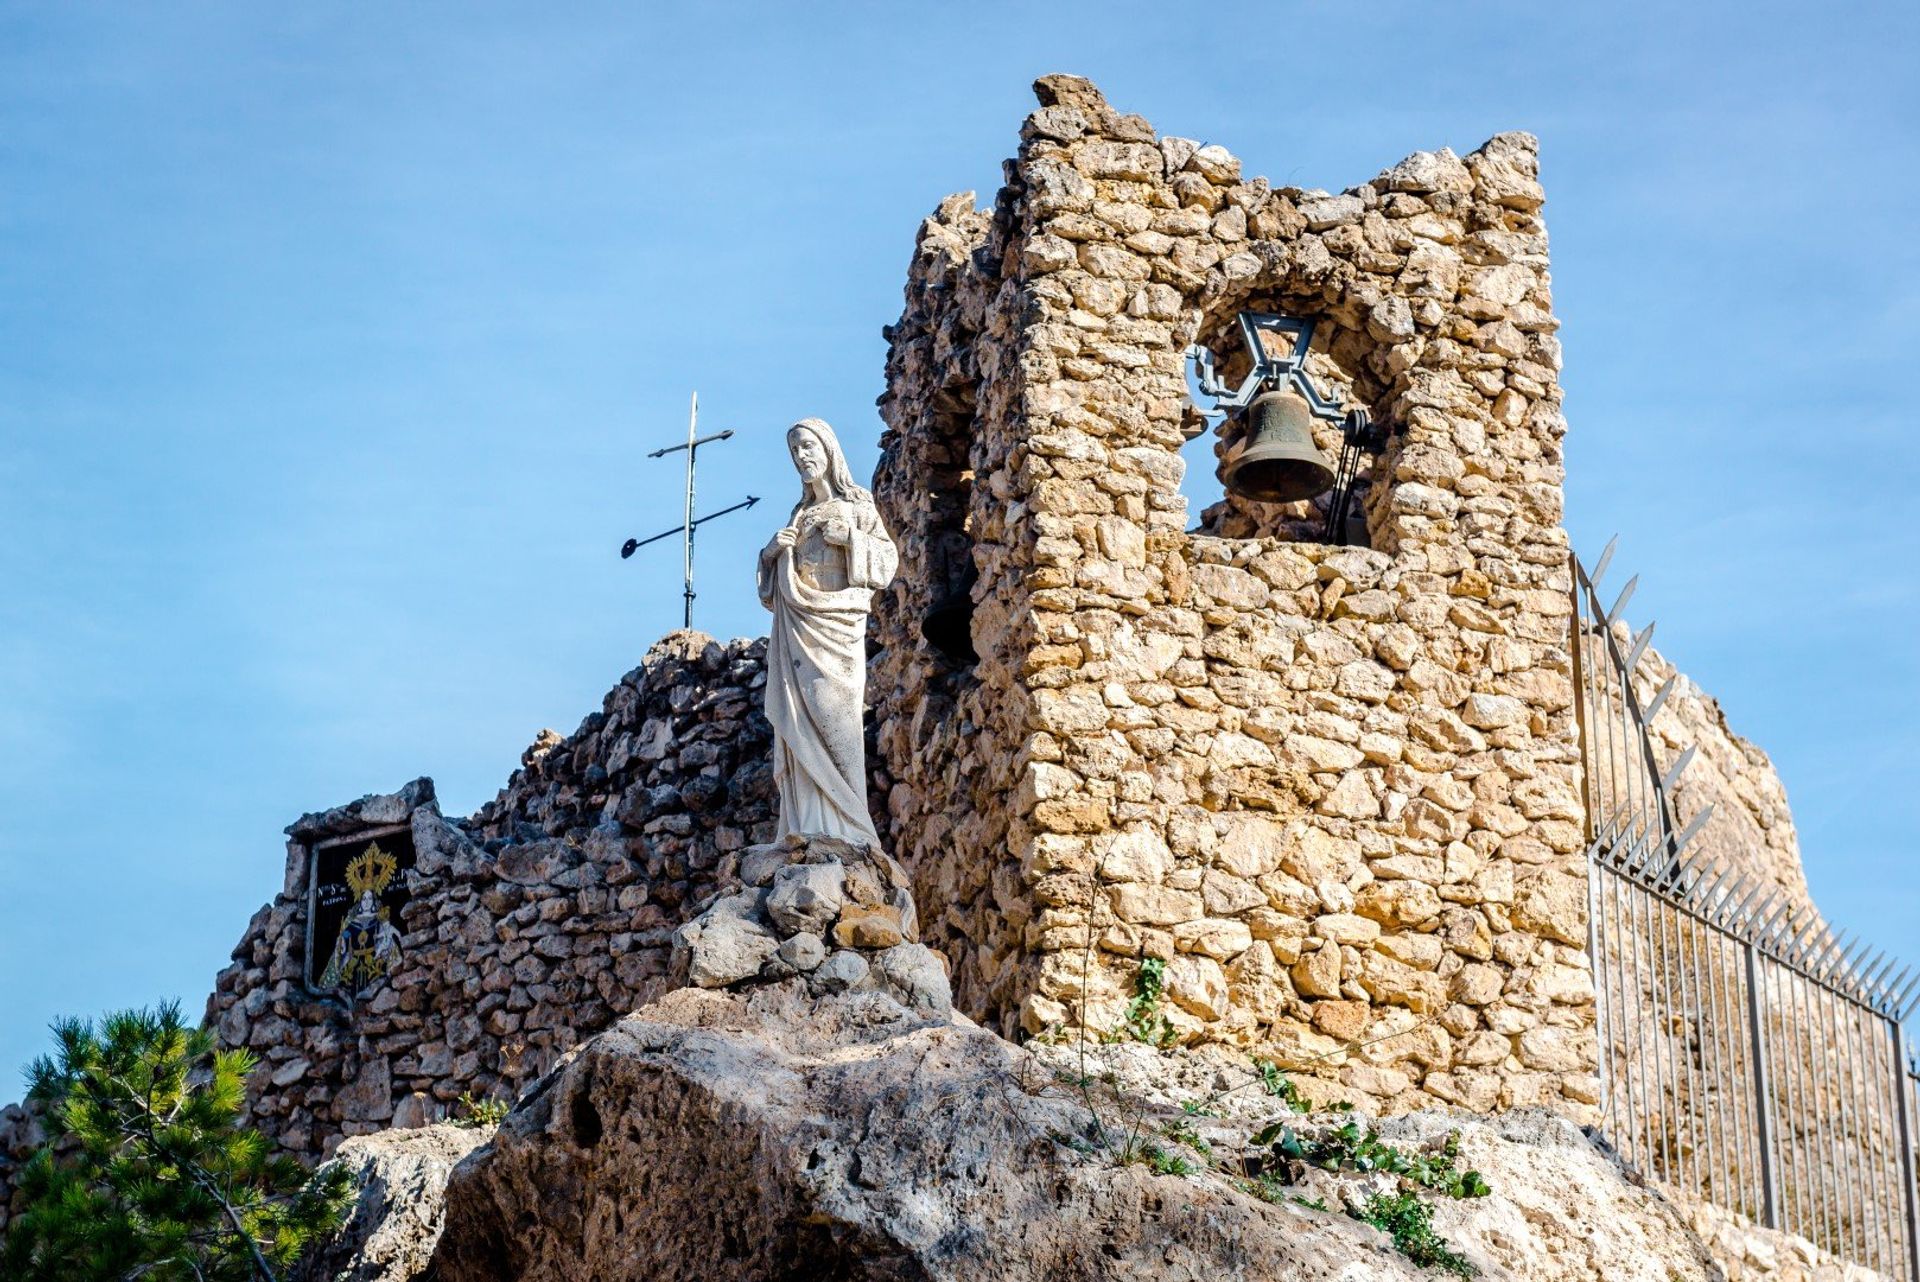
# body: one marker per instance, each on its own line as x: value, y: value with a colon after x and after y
x: 358, y: 892
x: 818, y: 575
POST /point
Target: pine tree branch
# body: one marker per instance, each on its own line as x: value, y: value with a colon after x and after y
x: 206, y: 1184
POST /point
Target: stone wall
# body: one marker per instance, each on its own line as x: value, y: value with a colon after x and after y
x: 21, y: 1135
x: 531, y: 925
x: 1751, y: 826
x: 948, y: 732
x: 1335, y: 789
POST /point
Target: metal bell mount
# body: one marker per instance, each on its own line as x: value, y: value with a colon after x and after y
x: 1276, y: 459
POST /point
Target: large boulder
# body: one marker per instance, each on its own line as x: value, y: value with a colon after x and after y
x: 777, y: 1133
x: 396, y: 1221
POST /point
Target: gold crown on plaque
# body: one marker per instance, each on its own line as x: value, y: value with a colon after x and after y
x: 371, y: 871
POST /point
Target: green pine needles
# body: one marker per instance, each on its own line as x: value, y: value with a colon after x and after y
x: 148, y: 1175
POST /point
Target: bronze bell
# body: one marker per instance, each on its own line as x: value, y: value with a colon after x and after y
x: 1279, y: 462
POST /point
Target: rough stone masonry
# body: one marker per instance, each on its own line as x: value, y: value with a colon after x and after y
x: 1335, y: 788
x: 533, y: 924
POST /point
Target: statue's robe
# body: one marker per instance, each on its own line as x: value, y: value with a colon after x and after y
x: 365, y: 951
x: 819, y: 591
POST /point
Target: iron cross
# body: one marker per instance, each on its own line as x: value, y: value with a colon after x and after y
x: 687, y: 522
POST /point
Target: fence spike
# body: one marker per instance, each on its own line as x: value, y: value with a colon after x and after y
x: 1634, y: 848
x: 1678, y: 768
x: 1620, y: 602
x: 1658, y: 865
x: 1888, y: 980
x: 1818, y: 939
x: 1764, y: 907
x: 1830, y: 952
x: 1725, y: 894
x: 1886, y: 989
x: 1606, y: 559
x: 1780, y: 905
x: 1805, y: 933
x: 1607, y: 844
x: 1865, y: 967
x: 1741, y: 912
x: 1639, y: 646
x: 1819, y: 936
x: 1873, y: 966
x: 1692, y: 829
x: 1652, y: 709
x: 1761, y: 905
x: 1746, y: 886
x: 1875, y: 976
x: 1792, y: 933
x: 1697, y: 863
x: 1839, y: 965
x: 1717, y: 873
x: 1902, y: 1001
x: 1899, y: 1001
x: 1850, y: 963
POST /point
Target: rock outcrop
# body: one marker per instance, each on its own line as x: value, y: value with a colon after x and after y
x: 21, y: 1135
x: 396, y: 1221
x: 772, y: 1134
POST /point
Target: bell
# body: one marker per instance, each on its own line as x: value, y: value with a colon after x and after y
x: 1279, y: 463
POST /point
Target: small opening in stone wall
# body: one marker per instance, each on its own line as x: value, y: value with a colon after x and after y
x: 1200, y: 479
x: 1337, y: 366
x: 951, y: 576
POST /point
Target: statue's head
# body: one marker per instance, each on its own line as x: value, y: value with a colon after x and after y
x: 809, y: 453
x: 818, y: 458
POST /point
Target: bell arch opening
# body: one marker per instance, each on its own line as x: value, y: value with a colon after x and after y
x: 1342, y: 364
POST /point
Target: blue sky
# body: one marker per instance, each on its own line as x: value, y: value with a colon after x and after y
x: 332, y: 340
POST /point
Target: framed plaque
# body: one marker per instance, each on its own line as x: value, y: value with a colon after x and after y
x: 356, y: 886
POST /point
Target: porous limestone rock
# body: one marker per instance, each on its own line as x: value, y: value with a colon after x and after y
x: 772, y: 1134
x: 400, y: 1209
x: 727, y: 943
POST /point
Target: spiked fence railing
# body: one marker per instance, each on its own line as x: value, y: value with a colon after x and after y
x: 1748, y: 1055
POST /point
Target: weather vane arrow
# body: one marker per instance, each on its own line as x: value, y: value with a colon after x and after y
x: 688, y: 521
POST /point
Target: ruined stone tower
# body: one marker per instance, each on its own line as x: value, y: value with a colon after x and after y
x: 1334, y: 788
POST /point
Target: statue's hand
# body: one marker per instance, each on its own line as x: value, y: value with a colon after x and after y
x: 837, y: 532
x: 783, y: 537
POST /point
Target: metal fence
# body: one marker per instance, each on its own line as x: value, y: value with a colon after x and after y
x: 1748, y: 1056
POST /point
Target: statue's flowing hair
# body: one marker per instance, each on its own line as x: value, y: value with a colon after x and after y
x: 839, y: 477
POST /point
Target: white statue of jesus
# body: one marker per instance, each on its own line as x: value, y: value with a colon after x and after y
x: 818, y: 576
